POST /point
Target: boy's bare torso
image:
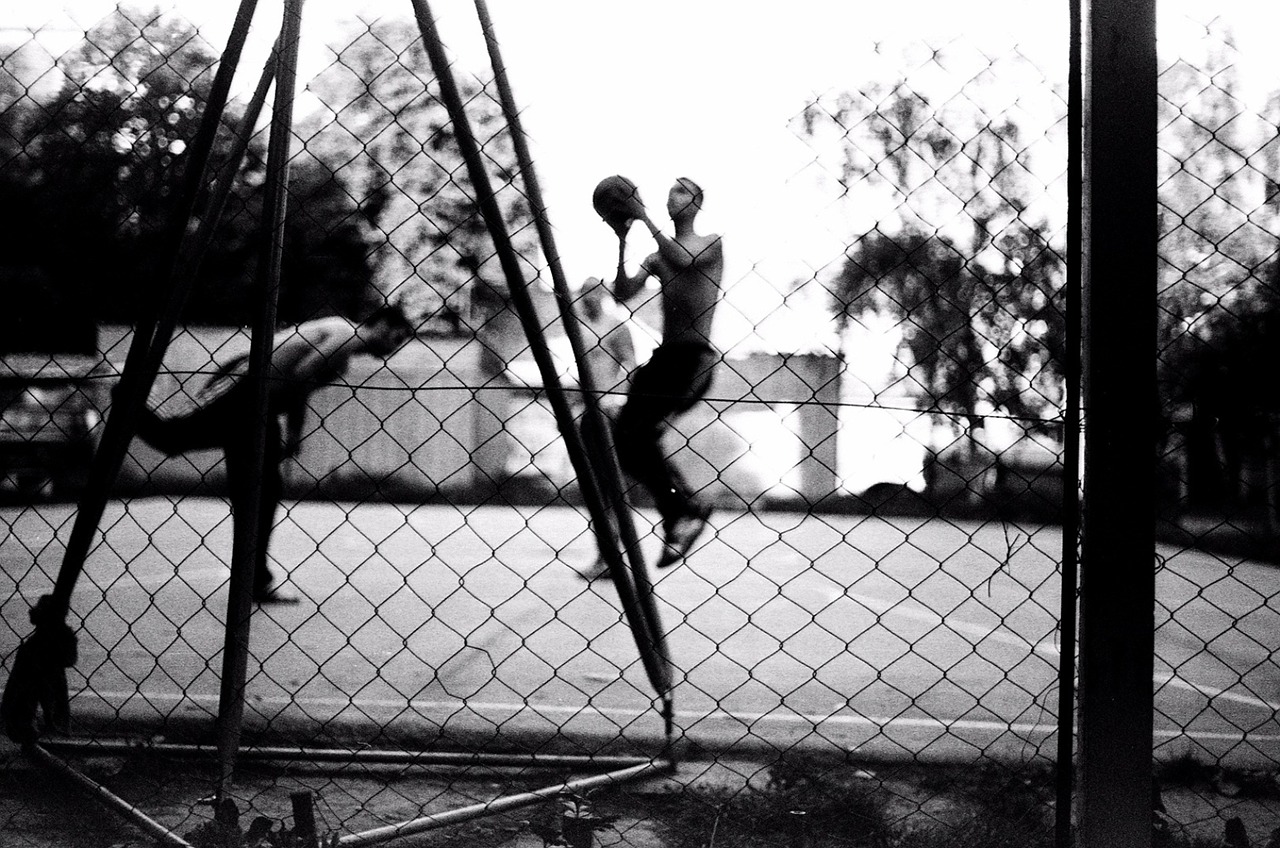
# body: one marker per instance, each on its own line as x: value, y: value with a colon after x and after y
x: 690, y: 288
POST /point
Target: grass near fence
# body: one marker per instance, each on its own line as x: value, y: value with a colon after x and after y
x: 807, y: 801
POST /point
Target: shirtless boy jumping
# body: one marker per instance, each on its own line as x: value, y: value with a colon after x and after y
x: 689, y: 268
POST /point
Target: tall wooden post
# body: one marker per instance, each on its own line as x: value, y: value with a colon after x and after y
x: 1118, y: 545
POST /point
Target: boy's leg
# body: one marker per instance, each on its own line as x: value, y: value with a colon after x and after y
x: 266, y: 586
x: 670, y: 383
x: 174, y: 436
x: 595, y: 449
x: 687, y: 520
x: 243, y: 487
x: 639, y: 430
x: 680, y: 534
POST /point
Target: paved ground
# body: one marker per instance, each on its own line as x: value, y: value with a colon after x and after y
x: 896, y: 637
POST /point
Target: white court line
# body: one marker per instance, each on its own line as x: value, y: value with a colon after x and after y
x: 882, y: 607
x: 623, y: 715
x: 1214, y: 693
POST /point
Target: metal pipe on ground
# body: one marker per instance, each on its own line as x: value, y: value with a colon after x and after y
x: 109, y: 799
x: 461, y: 759
x: 504, y: 804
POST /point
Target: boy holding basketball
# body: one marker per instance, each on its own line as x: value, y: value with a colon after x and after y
x: 689, y: 267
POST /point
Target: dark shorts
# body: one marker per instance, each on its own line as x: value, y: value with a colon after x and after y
x: 675, y: 378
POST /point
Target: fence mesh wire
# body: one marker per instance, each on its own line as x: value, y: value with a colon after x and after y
x: 867, y: 644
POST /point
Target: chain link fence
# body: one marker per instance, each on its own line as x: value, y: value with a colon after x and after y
x: 1217, y: 277
x: 867, y: 645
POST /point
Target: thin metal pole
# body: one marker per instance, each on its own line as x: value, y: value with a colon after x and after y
x: 135, y: 382
x: 1065, y: 775
x: 462, y: 759
x: 248, y: 535
x: 109, y: 799
x: 503, y: 804
x: 1117, y: 599
x: 607, y: 462
x: 492, y: 213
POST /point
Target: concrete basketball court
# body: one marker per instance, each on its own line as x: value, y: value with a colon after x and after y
x: 901, y: 637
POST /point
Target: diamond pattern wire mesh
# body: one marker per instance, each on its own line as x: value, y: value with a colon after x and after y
x: 882, y: 584
x: 1217, y: 278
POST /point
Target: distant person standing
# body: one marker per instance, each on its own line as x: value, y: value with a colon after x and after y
x: 303, y: 358
x: 610, y: 356
x: 610, y: 351
x: 689, y: 267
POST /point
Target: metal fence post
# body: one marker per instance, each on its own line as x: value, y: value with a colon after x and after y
x: 248, y: 533
x: 1064, y: 779
x: 1117, y: 571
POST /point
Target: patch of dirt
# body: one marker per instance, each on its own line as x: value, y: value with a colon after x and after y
x: 817, y: 802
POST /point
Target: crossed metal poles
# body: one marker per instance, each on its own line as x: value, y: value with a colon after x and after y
x: 600, y: 479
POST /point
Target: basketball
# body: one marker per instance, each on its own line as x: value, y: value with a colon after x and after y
x: 614, y: 199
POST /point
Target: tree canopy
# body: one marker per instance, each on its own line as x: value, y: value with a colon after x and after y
x: 1218, y: 214
x: 97, y: 168
x: 966, y: 260
x: 385, y: 129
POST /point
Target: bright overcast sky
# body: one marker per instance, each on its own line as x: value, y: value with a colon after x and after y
x: 669, y: 88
